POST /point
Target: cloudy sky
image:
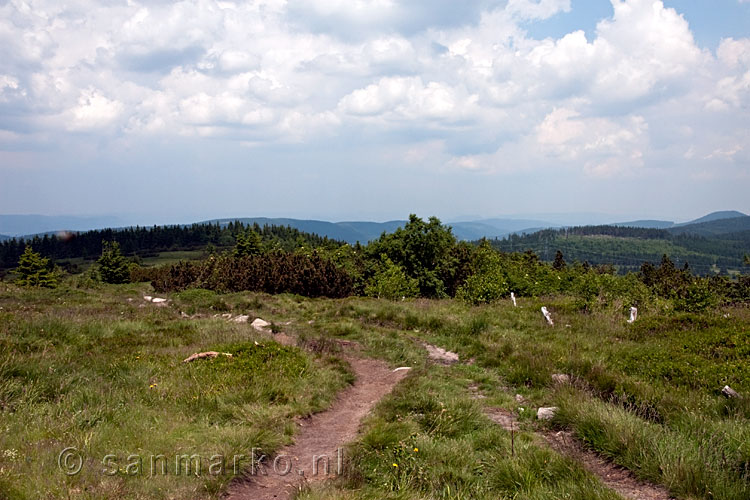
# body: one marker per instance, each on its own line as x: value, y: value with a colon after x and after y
x: 351, y: 109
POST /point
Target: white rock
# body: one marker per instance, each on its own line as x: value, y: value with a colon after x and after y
x: 147, y: 298
x: 729, y: 392
x: 402, y: 369
x: 560, y: 378
x: 242, y: 318
x: 157, y: 300
x: 260, y: 324
x: 546, y: 413
x: 439, y: 354
x: 520, y: 399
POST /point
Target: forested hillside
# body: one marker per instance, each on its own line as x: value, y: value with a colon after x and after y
x: 627, y: 248
x: 145, y: 241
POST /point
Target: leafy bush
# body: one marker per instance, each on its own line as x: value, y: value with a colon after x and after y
x: 697, y: 297
x: 487, y: 283
x: 391, y: 282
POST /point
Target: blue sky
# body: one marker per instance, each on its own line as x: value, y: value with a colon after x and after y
x: 353, y: 109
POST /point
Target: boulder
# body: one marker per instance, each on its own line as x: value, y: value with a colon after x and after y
x: 260, y: 325
x: 547, y: 413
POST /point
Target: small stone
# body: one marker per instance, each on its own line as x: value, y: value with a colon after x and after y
x: 242, y: 318
x: 546, y: 413
x: 520, y: 399
x: 729, y: 392
x: 402, y: 369
x: 560, y: 378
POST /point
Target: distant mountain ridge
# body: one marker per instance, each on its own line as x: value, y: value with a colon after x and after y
x: 714, y: 216
x: 363, y: 231
x: 722, y: 222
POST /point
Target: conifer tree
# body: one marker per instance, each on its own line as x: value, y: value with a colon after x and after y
x: 248, y: 243
x: 559, y: 263
x: 113, y: 267
x: 33, y: 270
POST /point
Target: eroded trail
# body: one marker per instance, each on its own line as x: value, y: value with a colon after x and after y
x: 612, y: 476
x: 323, y: 434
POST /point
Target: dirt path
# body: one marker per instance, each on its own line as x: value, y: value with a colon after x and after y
x: 612, y: 476
x: 323, y: 434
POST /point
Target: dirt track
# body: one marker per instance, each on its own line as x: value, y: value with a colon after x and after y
x: 323, y: 434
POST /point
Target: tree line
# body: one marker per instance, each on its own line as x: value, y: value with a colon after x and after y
x: 421, y: 259
x: 149, y: 241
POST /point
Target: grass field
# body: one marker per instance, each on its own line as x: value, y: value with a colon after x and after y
x: 101, y: 370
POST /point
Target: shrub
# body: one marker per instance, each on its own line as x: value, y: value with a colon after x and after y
x: 487, y: 283
x: 308, y: 275
x: 697, y: 297
x: 391, y: 282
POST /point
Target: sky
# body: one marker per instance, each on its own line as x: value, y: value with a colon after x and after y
x: 166, y: 111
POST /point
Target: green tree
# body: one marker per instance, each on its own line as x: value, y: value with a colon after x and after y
x: 423, y: 250
x: 248, y: 243
x: 33, y: 270
x: 559, y: 263
x: 113, y: 267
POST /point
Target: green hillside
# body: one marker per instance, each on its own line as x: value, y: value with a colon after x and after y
x: 627, y: 248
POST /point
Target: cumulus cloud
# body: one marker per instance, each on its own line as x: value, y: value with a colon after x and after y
x: 464, y: 75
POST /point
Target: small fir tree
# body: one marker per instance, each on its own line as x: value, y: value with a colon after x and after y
x: 113, y: 267
x: 33, y: 270
x: 559, y: 263
x: 248, y: 243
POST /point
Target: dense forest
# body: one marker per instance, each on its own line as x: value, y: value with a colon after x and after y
x: 628, y: 248
x: 147, y: 241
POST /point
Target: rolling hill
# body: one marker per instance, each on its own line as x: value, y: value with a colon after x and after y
x: 714, y: 227
x: 707, y: 247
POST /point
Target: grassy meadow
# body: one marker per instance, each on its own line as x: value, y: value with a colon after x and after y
x: 100, y: 369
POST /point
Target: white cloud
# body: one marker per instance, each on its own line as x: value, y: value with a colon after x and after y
x: 467, y: 77
x: 537, y: 9
x: 94, y: 111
